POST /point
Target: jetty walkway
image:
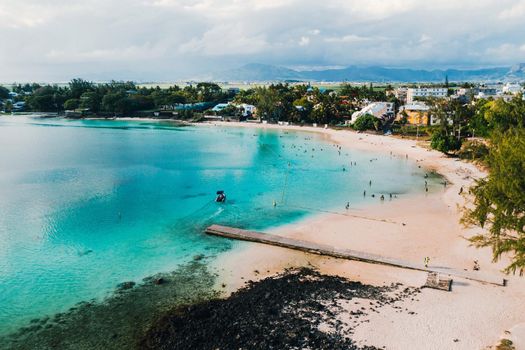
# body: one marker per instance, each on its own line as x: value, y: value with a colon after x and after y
x: 340, y: 253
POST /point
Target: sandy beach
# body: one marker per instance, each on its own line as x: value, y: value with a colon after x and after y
x: 472, y: 316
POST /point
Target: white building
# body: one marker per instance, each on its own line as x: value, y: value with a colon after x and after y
x: 416, y: 107
x: 512, y: 89
x: 487, y: 92
x: 465, y: 91
x: 247, y: 110
x: 377, y: 109
x: 18, y: 106
x: 435, y: 92
x: 219, y: 107
x: 401, y: 93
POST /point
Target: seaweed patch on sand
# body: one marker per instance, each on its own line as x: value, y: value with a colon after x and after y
x: 298, y: 309
x: 121, y: 320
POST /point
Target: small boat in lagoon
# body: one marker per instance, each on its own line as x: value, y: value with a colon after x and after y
x: 221, y: 197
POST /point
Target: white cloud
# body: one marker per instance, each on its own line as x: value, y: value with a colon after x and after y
x: 376, y: 9
x: 515, y: 52
x: 517, y: 11
x: 19, y: 15
x: 350, y: 38
x: 130, y: 53
x: 228, y: 39
x: 304, y: 41
x: 424, y: 38
x: 52, y: 39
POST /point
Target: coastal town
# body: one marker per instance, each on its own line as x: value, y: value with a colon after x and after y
x: 447, y: 113
x: 406, y: 103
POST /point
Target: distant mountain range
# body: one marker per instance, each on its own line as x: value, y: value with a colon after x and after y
x: 263, y: 72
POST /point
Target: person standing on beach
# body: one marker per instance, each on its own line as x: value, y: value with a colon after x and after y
x: 426, y: 260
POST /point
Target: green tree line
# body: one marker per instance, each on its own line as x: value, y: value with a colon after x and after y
x: 498, y: 201
x: 114, y: 97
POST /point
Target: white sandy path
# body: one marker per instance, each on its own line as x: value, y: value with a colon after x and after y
x: 474, y: 314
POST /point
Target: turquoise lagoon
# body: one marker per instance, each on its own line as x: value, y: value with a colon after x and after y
x: 87, y: 204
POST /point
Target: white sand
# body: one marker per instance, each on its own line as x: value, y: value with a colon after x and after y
x: 473, y: 314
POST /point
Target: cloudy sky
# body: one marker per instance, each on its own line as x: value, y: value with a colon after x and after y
x: 163, y: 40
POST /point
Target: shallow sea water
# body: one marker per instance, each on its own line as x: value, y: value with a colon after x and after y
x: 87, y: 204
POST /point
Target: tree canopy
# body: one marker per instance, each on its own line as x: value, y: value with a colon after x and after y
x: 363, y: 92
x: 499, y: 200
x: 4, y: 93
x: 115, y: 96
x: 367, y: 122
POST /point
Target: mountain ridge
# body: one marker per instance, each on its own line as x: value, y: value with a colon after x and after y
x: 265, y: 72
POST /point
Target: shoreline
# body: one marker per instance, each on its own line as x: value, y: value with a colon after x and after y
x: 308, y: 213
x: 120, y: 320
x: 297, y: 309
x: 410, y: 227
x: 416, y: 226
